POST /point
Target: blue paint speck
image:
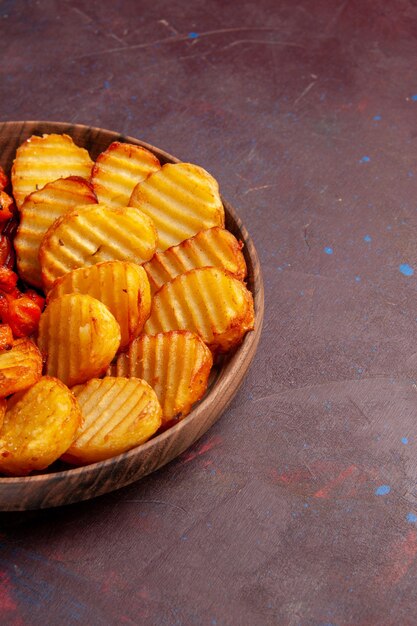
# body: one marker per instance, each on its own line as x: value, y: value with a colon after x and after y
x: 365, y: 159
x: 406, y: 269
x: 305, y: 505
x: 184, y: 538
x: 410, y: 174
x: 414, y: 97
x: 358, y: 279
x: 106, y: 84
x: 133, y: 98
x: 382, y: 490
x: 404, y: 440
x: 412, y: 518
x: 367, y: 238
x: 328, y: 250
x: 301, y: 292
x: 377, y: 118
x: 192, y: 35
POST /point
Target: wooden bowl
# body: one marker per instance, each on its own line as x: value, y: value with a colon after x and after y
x: 56, y: 487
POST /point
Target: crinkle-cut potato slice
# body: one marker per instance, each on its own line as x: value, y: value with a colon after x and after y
x: 39, y: 425
x: 176, y: 364
x: 123, y: 287
x: 207, y: 301
x: 38, y: 212
x: 214, y: 247
x: 119, y: 169
x: 40, y: 160
x: 20, y: 367
x: 93, y: 234
x: 118, y: 414
x: 182, y: 199
x: 78, y: 337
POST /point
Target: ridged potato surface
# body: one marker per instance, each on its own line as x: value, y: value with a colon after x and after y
x: 40, y: 423
x: 119, y: 169
x: 38, y: 212
x: 207, y: 301
x: 176, y: 364
x: 93, y: 234
x: 215, y: 247
x: 20, y: 367
x: 118, y: 415
x: 123, y: 287
x: 78, y: 337
x: 181, y: 199
x: 40, y: 160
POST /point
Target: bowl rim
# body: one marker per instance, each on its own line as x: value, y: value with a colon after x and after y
x: 228, y: 371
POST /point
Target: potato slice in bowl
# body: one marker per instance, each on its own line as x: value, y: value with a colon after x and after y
x: 78, y: 337
x: 176, y: 364
x: 207, y: 301
x: 118, y: 414
x: 40, y: 423
x: 182, y: 199
x: 20, y: 367
x: 93, y: 234
x: 123, y: 287
x: 119, y: 169
x: 38, y: 212
x: 40, y: 160
x: 214, y: 247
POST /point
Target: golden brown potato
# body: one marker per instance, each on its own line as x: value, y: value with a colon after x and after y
x: 182, y: 199
x: 38, y: 212
x: 118, y: 414
x: 40, y: 160
x: 93, y: 234
x: 207, y: 301
x: 20, y: 367
x: 123, y: 287
x: 214, y: 247
x: 119, y: 169
x: 39, y: 425
x: 3, y: 406
x: 176, y: 364
x: 78, y: 337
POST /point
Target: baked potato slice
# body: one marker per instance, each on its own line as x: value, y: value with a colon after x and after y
x: 118, y: 415
x: 214, y: 247
x: 176, y: 364
x: 92, y: 234
x: 40, y: 423
x: 207, y: 301
x: 181, y: 199
x: 20, y: 366
x: 38, y: 212
x: 119, y: 169
x: 78, y: 337
x: 122, y: 286
x: 40, y: 160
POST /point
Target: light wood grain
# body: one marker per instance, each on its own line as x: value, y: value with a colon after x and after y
x: 64, y: 486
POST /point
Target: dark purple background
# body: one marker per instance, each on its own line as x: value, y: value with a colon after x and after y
x: 306, y: 112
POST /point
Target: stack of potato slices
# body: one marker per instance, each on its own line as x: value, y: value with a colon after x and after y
x: 144, y: 289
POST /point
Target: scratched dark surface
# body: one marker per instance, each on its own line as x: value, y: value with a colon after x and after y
x: 299, y: 507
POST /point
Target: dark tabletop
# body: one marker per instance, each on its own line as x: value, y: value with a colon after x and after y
x: 299, y: 506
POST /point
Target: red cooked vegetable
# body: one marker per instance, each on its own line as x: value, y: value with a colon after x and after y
x: 6, y: 207
x: 4, y: 181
